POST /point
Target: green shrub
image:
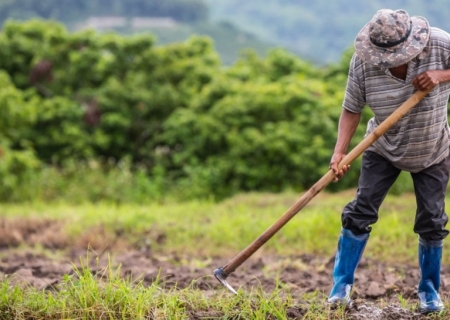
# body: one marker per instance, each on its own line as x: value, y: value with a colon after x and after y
x: 159, y: 121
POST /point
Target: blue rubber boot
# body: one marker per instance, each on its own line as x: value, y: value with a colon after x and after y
x: 430, y: 255
x: 348, y: 255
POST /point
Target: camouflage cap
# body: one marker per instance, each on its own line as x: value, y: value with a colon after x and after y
x: 392, y: 38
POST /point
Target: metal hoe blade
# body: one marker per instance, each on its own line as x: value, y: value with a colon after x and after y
x: 220, y: 275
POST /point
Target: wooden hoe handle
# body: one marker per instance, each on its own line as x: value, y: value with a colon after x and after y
x: 323, y: 182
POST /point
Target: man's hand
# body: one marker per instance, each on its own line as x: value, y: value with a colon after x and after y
x: 335, y: 160
x: 431, y: 78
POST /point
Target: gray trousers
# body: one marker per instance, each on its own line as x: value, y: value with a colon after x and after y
x: 378, y: 175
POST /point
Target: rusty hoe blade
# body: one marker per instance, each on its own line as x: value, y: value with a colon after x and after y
x: 220, y: 275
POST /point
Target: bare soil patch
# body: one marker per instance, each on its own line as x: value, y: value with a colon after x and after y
x: 377, y: 285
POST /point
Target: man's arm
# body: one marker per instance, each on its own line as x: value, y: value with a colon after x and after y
x: 348, y: 122
x: 431, y: 78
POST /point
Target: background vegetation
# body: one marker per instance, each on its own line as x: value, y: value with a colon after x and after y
x: 136, y: 121
x: 108, y: 111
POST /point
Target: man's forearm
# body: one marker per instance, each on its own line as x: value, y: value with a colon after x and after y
x: 431, y: 78
x: 443, y: 75
x: 348, y: 122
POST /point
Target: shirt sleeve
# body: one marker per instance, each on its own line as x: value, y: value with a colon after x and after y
x: 355, y: 96
x: 440, y: 42
x: 447, y: 49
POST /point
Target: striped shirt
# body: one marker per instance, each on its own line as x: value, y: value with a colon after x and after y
x: 421, y: 138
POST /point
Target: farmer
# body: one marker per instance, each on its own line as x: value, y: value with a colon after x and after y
x: 396, y: 55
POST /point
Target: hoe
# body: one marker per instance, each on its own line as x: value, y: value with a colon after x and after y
x: 223, y: 272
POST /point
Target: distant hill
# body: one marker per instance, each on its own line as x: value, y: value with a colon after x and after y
x: 318, y: 30
x: 229, y: 40
x: 189, y: 11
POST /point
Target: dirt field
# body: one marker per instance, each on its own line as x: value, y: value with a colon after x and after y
x: 377, y: 285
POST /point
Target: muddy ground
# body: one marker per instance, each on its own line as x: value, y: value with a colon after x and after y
x: 377, y: 286
x: 376, y: 290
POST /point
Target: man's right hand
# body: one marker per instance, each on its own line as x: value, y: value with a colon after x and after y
x: 335, y: 160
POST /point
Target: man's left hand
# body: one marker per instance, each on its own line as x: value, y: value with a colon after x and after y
x: 431, y: 78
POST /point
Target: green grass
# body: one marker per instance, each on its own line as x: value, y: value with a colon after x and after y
x: 87, y: 296
x: 228, y: 227
x: 84, y: 296
x: 231, y: 225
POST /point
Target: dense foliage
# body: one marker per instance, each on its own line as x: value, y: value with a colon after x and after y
x: 170, y: 115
